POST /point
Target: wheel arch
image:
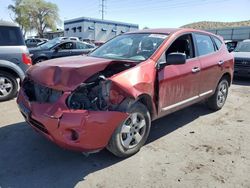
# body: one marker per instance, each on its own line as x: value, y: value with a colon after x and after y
x: 228, y: 77
x: 147, y: 100
x: 12, y: 69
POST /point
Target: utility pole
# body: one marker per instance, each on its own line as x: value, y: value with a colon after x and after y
x: 102, y: 8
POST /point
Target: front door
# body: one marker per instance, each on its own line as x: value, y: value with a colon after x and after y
x: 179, y: 84
x: 63, y: 50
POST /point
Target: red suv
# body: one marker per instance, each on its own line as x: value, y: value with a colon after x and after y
x: 109, y: 98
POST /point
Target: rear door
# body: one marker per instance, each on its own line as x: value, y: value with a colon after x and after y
x: 210, y: 59
x: 179, y: 84
x: 81, y: 48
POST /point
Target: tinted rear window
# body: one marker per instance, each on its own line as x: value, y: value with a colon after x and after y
x: 11, y: 36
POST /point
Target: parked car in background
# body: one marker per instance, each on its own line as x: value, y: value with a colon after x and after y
x: 242, y: 59
x: 14, y: 59
x: 98, y: 43
x: 34, y: 42
x: 59, y: 48
x: 88, y: 41
x: 67, y: 38
x: 44, y: 41
x: 231, y: 45
x: 73, y: 38
x: 109, y: 98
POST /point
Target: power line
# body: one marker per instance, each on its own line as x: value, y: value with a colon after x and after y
x: 168, y: 6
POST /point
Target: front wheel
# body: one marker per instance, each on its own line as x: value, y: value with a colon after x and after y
x: 131, y: 134
x: 217, y: 101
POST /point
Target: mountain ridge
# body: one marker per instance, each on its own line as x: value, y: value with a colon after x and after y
x: 216, y: 25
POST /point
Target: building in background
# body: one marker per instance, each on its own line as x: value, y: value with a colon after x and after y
x: 53, y: 34
x: 234, y: 33
x: 96, y: 29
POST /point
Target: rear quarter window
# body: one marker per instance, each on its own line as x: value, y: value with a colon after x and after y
x: 204, y: 44
x: 217, y: 42
x: 11, y: 36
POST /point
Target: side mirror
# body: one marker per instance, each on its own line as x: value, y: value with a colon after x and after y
x: 231, y: 49
x: 176, y: 58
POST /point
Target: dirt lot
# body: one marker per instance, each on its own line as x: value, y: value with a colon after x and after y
x: 190, y: 148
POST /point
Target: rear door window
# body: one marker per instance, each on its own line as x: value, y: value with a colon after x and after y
x: 11, y: 36
x: 80, y: 45
x: 204, y: 44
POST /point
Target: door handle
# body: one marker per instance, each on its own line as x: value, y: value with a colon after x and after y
x: 196, y: 69
x: 221, y: 62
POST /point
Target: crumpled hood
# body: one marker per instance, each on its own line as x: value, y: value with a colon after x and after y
x: 66, y: 74
x: 243, y: 55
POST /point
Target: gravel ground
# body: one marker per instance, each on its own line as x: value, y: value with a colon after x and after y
x: 190, y: 148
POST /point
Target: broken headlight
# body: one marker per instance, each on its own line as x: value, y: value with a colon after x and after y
x: 90, y: 96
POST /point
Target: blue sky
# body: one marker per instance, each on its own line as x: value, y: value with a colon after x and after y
x: 151, y: 13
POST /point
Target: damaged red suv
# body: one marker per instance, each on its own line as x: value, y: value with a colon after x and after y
x: 109, y: 97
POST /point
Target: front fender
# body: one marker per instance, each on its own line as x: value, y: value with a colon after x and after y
x: 139, y: 83
x: 40, y: 55
x: 137, y: 80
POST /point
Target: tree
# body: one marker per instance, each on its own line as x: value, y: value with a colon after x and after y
x: 39, y: 14
x: 21, y: 15
x: 44, y: 15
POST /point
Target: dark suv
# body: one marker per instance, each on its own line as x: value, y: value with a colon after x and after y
x: 242, y: 59
x: 14, y: 59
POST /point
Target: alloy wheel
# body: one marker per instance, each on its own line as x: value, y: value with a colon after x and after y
x: 6, y: 86
x: 133, y: 130
x: 222, y: 94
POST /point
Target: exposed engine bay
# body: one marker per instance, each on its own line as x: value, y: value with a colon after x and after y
x: 90, y: 96
x: 94, y: 93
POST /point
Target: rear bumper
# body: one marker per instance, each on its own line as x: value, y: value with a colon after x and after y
x: 79, y: 130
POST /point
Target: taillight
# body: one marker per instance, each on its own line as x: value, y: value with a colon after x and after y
x: 26, y: 59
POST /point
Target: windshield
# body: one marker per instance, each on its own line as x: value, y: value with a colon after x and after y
x: 243, y: 47
x: 50, y: 43
x: 134, y: 47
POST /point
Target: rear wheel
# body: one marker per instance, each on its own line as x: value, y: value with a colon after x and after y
x: 132, y: 134
x: 8, y: 86
x: 217, y: 101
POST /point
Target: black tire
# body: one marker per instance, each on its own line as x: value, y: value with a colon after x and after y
x: 7, y: 78
x: 214, y: 101
x: 116, y: 146
x: 40, y: 59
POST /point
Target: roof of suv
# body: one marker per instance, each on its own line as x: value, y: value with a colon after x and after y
x: 160, y: 30
x: 168, y: 31
x: 5, y: 23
